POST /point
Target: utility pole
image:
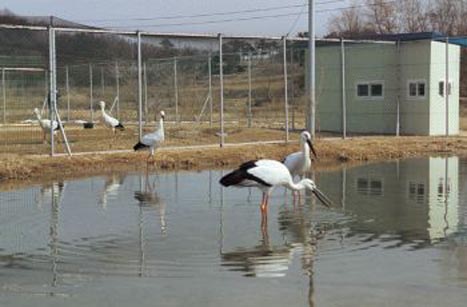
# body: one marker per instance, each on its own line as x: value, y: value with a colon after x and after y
x: 221, y: 86
x: 310, y: 117
x: 140, y: 87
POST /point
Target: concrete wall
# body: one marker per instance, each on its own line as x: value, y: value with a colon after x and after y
x: 364, y: 62
x: 437, y: 102
x: 414, y: 61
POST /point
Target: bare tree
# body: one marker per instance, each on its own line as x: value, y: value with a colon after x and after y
x: 414, y: 16
x: 445, y: 16
x: 349, y: 23
x: 382, y: 16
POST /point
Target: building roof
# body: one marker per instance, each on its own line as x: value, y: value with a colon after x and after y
x: 436, y: 36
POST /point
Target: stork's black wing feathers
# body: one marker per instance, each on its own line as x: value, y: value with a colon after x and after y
x: 120, y: 126
x: 237, y: 176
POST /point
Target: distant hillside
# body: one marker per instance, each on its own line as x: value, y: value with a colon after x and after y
x: 72, y: 48
x: 8, y: 17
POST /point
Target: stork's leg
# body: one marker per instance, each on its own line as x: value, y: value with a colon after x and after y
x: 112, y: 139
x: 294, y: 193
x: 264, y: 223
x: 264, y: 203
x: 150, y: 158
x: 264, y: 211
x: 44, y: 140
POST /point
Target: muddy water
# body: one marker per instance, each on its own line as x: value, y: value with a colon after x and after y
x: 396, y: 236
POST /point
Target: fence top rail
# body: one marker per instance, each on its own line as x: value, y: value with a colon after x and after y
x: 21, y: 69
x: 183, y: 35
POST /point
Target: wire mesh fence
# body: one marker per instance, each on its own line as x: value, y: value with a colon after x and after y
x: 369, y: 87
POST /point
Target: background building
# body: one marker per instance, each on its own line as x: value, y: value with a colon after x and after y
x: 397, y: 79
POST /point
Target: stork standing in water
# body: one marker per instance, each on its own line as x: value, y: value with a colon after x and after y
x: 298, y: 163
x: 265, y: 175
x: 46, y: 124
x: 152, y: 140
x: 110, y: 121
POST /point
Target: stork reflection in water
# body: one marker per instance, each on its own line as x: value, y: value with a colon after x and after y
x: 111, y: 186
x: 148, y: 197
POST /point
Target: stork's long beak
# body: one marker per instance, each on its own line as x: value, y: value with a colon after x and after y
x: 312, y: 148
x: 322, y: 198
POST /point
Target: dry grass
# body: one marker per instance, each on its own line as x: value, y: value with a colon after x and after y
x: 32, y: 168
x: 28, y: 139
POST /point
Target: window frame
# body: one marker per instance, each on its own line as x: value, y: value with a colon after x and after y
x: 444, y: 87
x: 369, y: 84
x: 416, y: 82
x: 368, y: 190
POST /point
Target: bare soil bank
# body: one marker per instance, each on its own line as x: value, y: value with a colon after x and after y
x: 331, y: 151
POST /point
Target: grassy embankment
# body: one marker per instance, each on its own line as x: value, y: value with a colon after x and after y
x: 332, y: 152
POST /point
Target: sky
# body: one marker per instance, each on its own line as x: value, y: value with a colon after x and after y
x: 162, y: 15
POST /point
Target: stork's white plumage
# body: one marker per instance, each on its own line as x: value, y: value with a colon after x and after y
x: 110, y: 121
x: 267, y: 174
x: 46, y: 124
x: 299, y: 162
x: 152, y: 140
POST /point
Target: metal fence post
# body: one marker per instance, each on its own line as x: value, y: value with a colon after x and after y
x: 286, y: 96
x: 249, y: 90
x: 145, y: 92
x: 4, y: 95
x: 292, y: 89
x: 67, y: 89
x: 117, y: 85
x: 446, y: 86
x: 53, y: 98
x: 343, y: 93
x: 221, y: 80
x: 102, y: 83
x: 90, y: 93
x: 140, y: 89
x: 51, y: 95
x: 46, y: 83
x: 398, y: 98
x: 176, y: 90
x: 210, y: 89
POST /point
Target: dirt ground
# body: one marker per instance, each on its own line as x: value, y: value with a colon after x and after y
x: 27, y: 169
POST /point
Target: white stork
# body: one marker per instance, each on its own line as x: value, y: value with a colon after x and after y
x: 46, y: 124
x: 267, y: 174
x: 152, y: 140
x: 110, y: 121
x: 299, y: 162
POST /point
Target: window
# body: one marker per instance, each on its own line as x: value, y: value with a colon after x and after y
x: 417, y: 192
x: 417, y: 88
x: 413, y: 89
x: 370, y: 186
x: 370, y: 89
x: 377, y: 90
x: 441, y: 88
x: 362, y: 90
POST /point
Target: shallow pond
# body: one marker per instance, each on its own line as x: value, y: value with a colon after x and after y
x: 396, y: 236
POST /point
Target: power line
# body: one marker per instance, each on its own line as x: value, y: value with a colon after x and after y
x: 251, y: 17
x: 273, y: 8
x: 294, y: 24
x: 210, y: 21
